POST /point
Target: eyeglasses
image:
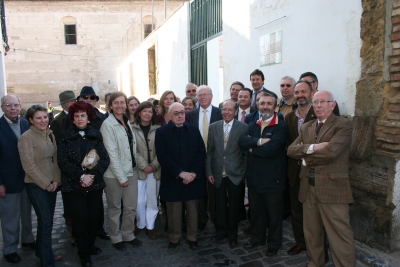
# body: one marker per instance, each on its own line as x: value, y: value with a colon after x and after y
x: 11, y: 105
x: 191, y: 91
x: 203, y: 95
x: 286, y: 84
x: 322, y: 102
x: 177, y: 113
x: 228, y: 109
x: 92, y: 97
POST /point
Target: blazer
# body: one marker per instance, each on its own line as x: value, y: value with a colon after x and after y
x: 332, y: 184
x: 194, y: 116
x: 38, y: 154
x: 232, y: 157
x: 292, y: 120
x: 177, y: 153
x: 11, y: 172
x: 255, y: 116
x: 287, y: 107
x: 239, y: 116
x: 56, y: 125
x: 266, y: 164
x: 116, y: 142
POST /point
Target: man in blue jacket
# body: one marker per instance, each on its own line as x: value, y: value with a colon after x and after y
x: 181, y: 153
x: 265, y: 140
x: 11, y: 175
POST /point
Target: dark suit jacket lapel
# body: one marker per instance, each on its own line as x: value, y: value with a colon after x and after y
x: 7, y: 129
x: 220, y: 136
x: 232, y: 135
x: 196, y: 113
x: 214, y: 114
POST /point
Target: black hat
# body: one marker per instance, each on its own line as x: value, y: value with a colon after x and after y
x: 87, y: 90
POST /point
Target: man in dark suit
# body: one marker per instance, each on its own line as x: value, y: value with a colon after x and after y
x: 234, y: 92
x: 257, y: 82
x: 244, y: 102
x: 66, y: 100
x: 11, y: 175
x: 265, y: 140
x: 323, y: 146
x: 181, y: 154
x: 225, y: 167
x: 303, y: 92
x: 202, y: 117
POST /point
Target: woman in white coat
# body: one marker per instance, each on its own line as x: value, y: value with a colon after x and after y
x: 148, y: 168
x: 121, y: 177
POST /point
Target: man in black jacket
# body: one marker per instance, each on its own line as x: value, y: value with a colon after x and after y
x: 265, y: 140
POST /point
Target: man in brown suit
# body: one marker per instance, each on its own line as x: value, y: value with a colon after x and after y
x: 323, y: 146
x: 303, y: 92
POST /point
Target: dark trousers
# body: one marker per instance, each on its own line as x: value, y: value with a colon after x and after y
x: 297, y: 212
x: 208, y: 200
x: 86, y: 212
x: 228, y: 194
x: 44, y: 203
x: 174, y: 211
x: 266, y: 210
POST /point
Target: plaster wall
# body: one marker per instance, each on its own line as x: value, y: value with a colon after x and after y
x: 215, y: 70
x: 39, y: 64
x: 171, y: 43
x: 324, y: 39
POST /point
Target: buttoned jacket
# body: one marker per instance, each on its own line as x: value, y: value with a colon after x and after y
x: 332, y: 184
x: 232, y: 157
x: 287, y: 107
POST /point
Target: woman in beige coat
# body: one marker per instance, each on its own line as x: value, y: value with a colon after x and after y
x: 148, y: 168
x: 38, y: 153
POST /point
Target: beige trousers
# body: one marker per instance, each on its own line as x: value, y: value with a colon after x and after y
x: 336, y: 220
x: 174, y: 211
x: 129, y: 195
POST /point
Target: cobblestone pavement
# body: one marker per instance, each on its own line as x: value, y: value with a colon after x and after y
x: 156, y: 253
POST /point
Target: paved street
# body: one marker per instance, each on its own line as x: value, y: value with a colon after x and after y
x: 156, y: 253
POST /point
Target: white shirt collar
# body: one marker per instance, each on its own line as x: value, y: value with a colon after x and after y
x: 247, y: 110
x: 208, y: 109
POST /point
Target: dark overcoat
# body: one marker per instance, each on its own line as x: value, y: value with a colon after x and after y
x: 176, y: 153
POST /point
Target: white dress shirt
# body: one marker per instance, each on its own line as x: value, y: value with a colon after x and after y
x: 201, y: 114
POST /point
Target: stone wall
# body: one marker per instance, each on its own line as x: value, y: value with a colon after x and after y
x: 39, y: 65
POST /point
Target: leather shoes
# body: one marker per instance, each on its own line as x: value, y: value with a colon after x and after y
x: 95, y: 250
x: 247, y: 231
x: 271, y: 252
x: 218, y: 238
x: 12, y: 257
x: 103, y: 236
x: 137, y: 230
x: 151, y: 233
x: 57, y: 257
x: 252, y: 245
x: 192, y: 244
x: 135, y: 242
x: 233, y: 243
x: 296, y: 249
x: 326, y: 255
x: 172, y: 245
x: 120, y: 246
x: 86, y: 261
x: 29, y: 245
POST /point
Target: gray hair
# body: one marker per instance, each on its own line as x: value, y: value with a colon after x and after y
x: 189, y: 84
x: 331, y: 96
x: 173, y: 105
x: 289, y: 78
x: 202, y: 87
x: 268, y: 94
x: 235, y: 103
x: 2, y: 99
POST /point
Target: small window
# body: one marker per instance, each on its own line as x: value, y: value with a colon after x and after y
x: 148, y: 29
x: 70, y: 34
x: 149, y: 25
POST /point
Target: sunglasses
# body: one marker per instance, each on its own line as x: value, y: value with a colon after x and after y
x: 286, y: 84
x: 92, y: 97
x: 191, y: 91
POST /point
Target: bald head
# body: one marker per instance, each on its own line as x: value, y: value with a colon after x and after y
x: 177, y: 113
x: 324, y: 104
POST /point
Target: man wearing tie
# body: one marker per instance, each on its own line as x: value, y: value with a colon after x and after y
x: 323, y: 146
x: 257, y: 82
x: 202, y: 117
x: 225, y: 167
x: 244, y: 101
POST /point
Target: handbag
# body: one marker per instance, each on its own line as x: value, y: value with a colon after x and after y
x: 90, y: 160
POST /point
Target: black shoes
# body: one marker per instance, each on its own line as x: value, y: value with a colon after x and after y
x: 218, y: 238
x: 120, y: 246
x: 233, y: 243
x: 253, y: 245
x: 95, y: 251
x: 29, y: 245
x: 271, y: 252
x: 135, y: 242
x: 172, y: 245
x: 12, y: 257
x: 192, y: 244
x: 103, y: 235
x: 202, y: 226
x: 87, y: 261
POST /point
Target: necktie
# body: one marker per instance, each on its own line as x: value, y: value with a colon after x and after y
x: 319, y: 127
x: 205, y: 127
x: 226, y: 129
x: 243, y: 116
x: 281, y: 105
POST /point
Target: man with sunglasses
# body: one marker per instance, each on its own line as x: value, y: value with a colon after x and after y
x: 190, y: 91
x: 287, y: 91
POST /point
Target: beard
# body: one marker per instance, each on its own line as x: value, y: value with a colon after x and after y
x: 266, y: 114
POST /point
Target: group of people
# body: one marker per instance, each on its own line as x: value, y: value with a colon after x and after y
x: 291, y: 153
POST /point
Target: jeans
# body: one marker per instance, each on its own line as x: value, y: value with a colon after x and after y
x: 44, y: 203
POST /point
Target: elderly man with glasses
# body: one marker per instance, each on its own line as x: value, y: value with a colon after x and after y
x: 285, y: 103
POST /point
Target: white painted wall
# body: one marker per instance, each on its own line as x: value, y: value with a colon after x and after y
x: 318, y: 36
x: 214, y: 70
x: 172, y: 55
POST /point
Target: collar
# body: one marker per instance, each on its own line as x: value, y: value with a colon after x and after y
x: 322, y: 121
x: 11, y: 122
x: 229, y: 123
x: 247, y: 110
x: 66, y: 112
x: 305, y: 114
x: 208, y: 109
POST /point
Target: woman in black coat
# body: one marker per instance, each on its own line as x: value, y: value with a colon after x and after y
x: 82, y: 187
